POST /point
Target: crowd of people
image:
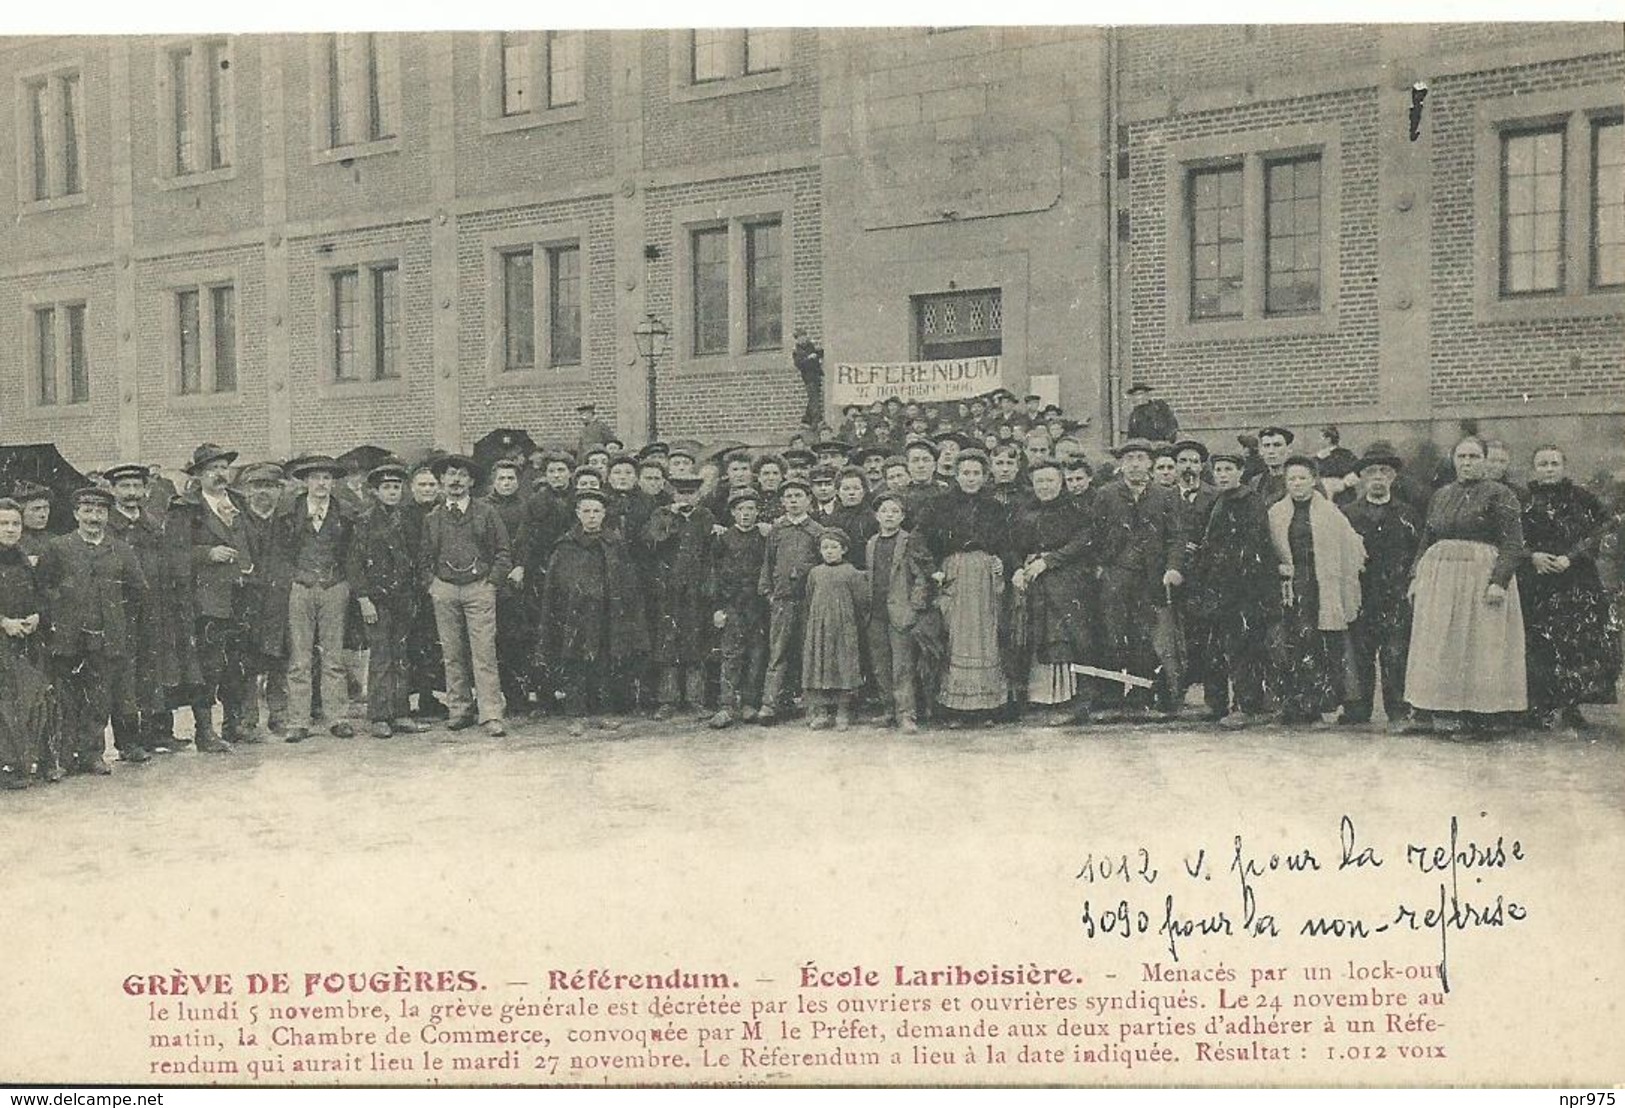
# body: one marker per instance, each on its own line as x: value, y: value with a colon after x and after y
x: 960, y: 563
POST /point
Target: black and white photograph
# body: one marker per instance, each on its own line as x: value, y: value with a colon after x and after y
x: 799, y: 556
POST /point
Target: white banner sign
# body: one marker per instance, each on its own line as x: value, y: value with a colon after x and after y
x: 950, y: 379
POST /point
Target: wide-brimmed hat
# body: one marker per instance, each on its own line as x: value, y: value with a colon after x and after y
x: 1379, y: 454
x: 315, y: 463
x: 207, y: 453
x: 461, y: 461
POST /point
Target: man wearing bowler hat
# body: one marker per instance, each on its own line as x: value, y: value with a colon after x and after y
x: 163, y: 672
x: 314, y: 537
x: 465, y: 557
x: 91, y: 582
x: 1380, y: 636
x: 214, y: 526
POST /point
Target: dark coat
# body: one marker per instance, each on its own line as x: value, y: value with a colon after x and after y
x: 1391, y: 533
x: 265, y: 591
x: 1060, y: 601
x: 1233, y: 577
x: 791, y: 551
x: 859, y: 523
x: 592, y: 606
x: 163, y: 616
x: 91, y: 587
x: 1153, y: 421
x: 1142, y: 537
x: 904, y: 595
x: 382, y: 564
x: 293, y: 524
x: 737, y: 569
x: 494, y: 552
x: 1570, y: 622
x: 680, y: 547
x: 218, y: 586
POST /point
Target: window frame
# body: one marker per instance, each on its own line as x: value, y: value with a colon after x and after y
x: 918, y: 347
x: 1595, y: 124
x: 387, y: 46
x: 1575, y: 112
x: 366, y: 261
x: 200, y: 98
x: 1253, y: 151
x: 541, y: 241
x: 58, y: 301
x: 203, y: 282
x: 54, y: 77
x: 543, y: 114
x: 734, y: 215
x: 736, y: 79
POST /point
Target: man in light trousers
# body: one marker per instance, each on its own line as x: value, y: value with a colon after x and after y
x: 315, y: 536
x: 465, y: 556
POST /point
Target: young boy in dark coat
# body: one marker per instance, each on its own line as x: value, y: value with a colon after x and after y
x: 792, y: 550
x: 384, y: 569
x: 741, y: 611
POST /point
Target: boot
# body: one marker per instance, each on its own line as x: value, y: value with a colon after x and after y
x: 722, y: 719
x: 843, y: 717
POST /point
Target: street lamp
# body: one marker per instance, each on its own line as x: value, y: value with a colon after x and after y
x: 651, y: 335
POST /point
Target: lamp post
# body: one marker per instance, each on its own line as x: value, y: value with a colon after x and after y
x: 651, y: 335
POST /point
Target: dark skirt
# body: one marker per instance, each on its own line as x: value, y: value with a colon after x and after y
x: 26, y: 721
x: 1309, y: 662
x: 1572, y: 630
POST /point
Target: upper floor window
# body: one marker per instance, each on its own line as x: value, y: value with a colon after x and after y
x: 59, y: 359
x: 721, y: 54
x: 532, y: 77
x: 199, y: 101
x: 54, y: 136
x: 205, y: 347
x: 363, y: 86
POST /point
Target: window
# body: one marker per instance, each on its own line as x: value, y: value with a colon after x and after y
x: 734, y: 274
x: 564, y: 298
x: 364, y: 311
x: 1607, y: 204
x: 1251, y: 234
x: 60, y: 360
x: 1532, y: 211
x: 205, y: 346
x: 711, y: 290
x: 959, y: 325
x: 535, y: 305
x: 1549, y: 205
x: 725, y: 55
x: 197, y: 82
x: 764, y: 276
x: 532, y: 73
x: 363, y: 90
x: 1216, y: 259
x: 519, y: 310
x: 1292, y: 235
x: 55, y: 129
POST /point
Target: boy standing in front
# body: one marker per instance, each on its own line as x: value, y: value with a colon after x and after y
x: 791, y: 550
x: 741, y: 610
x: 897, y: 598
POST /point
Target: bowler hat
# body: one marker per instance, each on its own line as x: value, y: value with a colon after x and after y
x: 689, y: 450
x: 1379, y: 454
x: 1191, y: 444
x: 207, y: 453
x: 127, y: 469
x: 461, y: 461
x: 317, y: 463
x: 1130, y: 445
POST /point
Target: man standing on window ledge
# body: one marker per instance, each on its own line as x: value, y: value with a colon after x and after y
x: 465, y: 556
x: 593, y: 431
x: 809, y: 359
x: 1152, y: 419
x: 314, y: 539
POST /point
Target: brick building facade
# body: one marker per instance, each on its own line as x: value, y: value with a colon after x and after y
x: 304, y: 242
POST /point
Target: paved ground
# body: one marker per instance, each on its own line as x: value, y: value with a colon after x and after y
x: 755, y: 848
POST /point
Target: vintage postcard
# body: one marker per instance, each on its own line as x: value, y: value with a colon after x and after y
x: 936, y: 555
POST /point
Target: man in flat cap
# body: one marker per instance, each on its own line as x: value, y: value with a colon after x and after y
x: 314, y: 536
x: 791, y: 551
x: 679, y: 539
x: 163, y: 673
x: 593, y: 431
x: 514, y: 627
x: 265, y: 600
x: 92, y: 581
x: 741, y: 611
x: 384, y: 570
x: 466, y: 556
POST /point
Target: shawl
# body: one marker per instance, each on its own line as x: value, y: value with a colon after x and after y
x: 1339, y: 557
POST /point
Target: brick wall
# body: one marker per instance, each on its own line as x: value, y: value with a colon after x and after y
x: 86, y: 228
x: 336, y: 423
x: 1472, y: 360
x: 164, y: 214
x: 84, y: 433
x: 547, y: 411
x: 1163, y: 60
x: 170, y: 425
x: 554, y: 155
x: 775, y: 119
x: 720, y: 401
x: 1259, y: 374
x: 368, y: 185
